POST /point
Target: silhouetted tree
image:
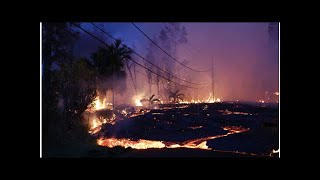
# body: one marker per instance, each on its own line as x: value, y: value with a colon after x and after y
x: 109, y: 62
x: 150, y: 100
x: 170, y: 38
x: 57, y: 43
x: 150, y: 58
x: 78, y: 88
x: 69, y: 84
x: 176, y: 96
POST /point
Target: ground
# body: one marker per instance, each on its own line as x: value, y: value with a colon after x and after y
x: 178, y: 125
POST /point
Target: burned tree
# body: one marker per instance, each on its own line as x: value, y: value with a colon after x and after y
x: 109, y: 63
x: 170, y: 38
x: 176, y: 96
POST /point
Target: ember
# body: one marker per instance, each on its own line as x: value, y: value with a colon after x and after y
x: 227, y: 112
x: 195, y: 127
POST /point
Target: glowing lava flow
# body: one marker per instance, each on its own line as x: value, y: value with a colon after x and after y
x: 145, y: 144
x: 231, y: 129
x: 140, y: 144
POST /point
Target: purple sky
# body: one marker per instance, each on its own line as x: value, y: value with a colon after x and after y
x: 246, y: 60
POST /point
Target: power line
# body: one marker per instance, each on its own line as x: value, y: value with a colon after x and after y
x: 132, y: 59
x: 147, y: 75
x: 183, y: 45
x: 162, y: 76
x: 187, y: 49
x: 141, y: 73
x: 165, y: 51
x: 151, y: 62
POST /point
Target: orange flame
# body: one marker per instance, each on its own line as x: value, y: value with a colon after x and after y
x: 138, y: 103
x: 94, y: 122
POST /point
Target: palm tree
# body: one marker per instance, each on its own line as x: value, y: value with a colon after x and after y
x: 176, y: 96
x: 118, y: 55
x: 110, y: 62
x: 150, y: 100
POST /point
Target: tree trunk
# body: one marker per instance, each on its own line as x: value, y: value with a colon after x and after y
x: 113, y: 105
x: 134, y: 82
x: 158, y: 89
x: 135, y: 74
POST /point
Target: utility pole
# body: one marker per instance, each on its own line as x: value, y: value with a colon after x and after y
x: 113, y: 105
x: 135, y: 77
x: 212, y: 82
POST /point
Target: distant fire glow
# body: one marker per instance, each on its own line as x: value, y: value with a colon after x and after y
x: 138, y: 103
x: 137, y: 99
x: 208, y: 100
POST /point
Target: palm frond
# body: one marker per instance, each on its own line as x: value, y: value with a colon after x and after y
x: 150, y: 98
x: 156, y: 100
x: 144, y: 100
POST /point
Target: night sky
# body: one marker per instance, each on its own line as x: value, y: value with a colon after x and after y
x: 246, y: 58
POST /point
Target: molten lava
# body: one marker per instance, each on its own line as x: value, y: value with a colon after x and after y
x: 146, y: 144
x: 140, y: 144
x: 200, y: 143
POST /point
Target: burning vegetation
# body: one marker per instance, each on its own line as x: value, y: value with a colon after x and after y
x: 102, y: 94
